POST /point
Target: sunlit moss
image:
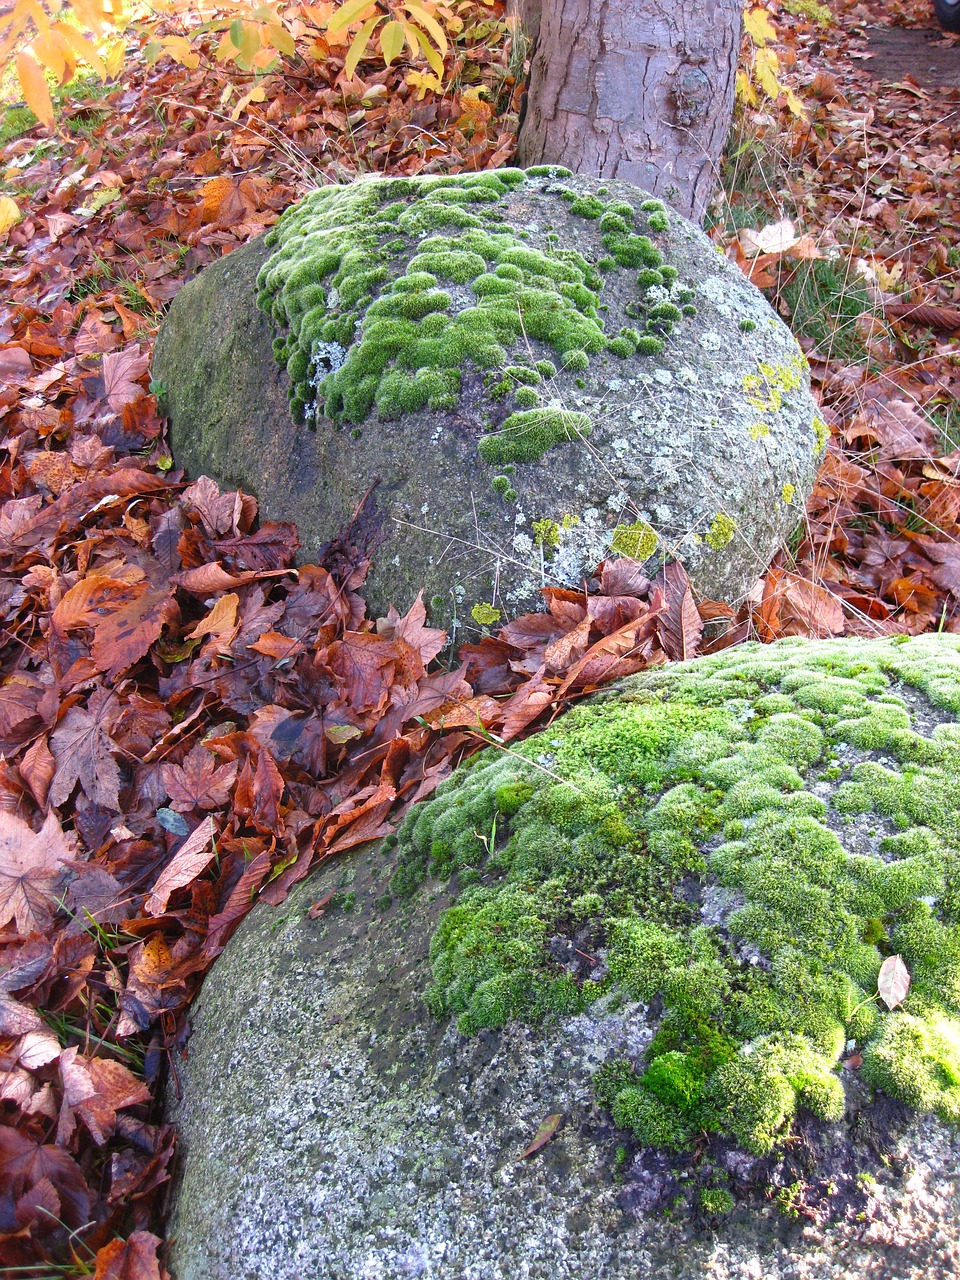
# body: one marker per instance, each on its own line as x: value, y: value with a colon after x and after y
x: 526, y: 436
x: 638, y: 541
x: 721, y: 531
x: 367, y: 332
x: 605, y: 821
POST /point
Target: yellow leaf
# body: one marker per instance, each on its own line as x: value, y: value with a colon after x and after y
x: 181, y: 50
x: 422, y: 81
x: 391, y: 41
x: 429, y: 24
x: 49, y: 54
x: 766, y: 67
x: 91, y: 14
x: 887, y: 278
x: 745, y: 90
x: 34, y: 85
x: 348, y: 13
x: 10, y: 214
x: 429, y: 52
x: 359, y: 46
x: 249, y: 46
x: 282, y: 41
x: 794, y: 103
x: 255, y: 95
x: 82, y: 49
x: 758, y: 27
x: 410, y: 35
x: 39, y: 16
x: 116, y: 56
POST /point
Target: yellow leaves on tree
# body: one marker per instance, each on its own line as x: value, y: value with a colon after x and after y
x: 407, y: 22
x: 49, y: 39
x: 41, y: 42
x: 762, y: 71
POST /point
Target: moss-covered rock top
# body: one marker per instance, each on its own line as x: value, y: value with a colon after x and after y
x: 738, y: 843
x: 537, y: 368
x: 390, y: 289
x: 662, y: 918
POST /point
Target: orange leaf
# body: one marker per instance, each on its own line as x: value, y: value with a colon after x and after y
x: 125, y: 635
x: 131, y: 1259
x: 34, y: 85
x: 221, y: 621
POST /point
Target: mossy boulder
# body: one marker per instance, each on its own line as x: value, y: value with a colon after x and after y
x: 537, y: 368
x: 663, y: 919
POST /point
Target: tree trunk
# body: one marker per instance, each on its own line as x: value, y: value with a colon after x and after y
x: 640, y: 90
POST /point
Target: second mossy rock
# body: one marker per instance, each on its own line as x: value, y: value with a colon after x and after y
x: 538, y: 369
x: 658, y: 927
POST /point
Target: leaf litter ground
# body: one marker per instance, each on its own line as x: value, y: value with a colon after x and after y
x: 188, y: 723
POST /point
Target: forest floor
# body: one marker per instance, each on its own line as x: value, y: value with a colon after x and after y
x: 187, y: 722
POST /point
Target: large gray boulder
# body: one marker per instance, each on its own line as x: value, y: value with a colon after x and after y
x: 536, y: 368
x: 662, y: 919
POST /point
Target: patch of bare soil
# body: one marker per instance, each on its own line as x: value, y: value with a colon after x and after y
x: 931, y: 58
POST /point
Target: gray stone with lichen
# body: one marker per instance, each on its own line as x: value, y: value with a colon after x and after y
x: 663, y: 919
x: 536, y: 368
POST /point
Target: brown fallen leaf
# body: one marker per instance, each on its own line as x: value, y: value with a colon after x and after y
x: 543, y: 1135
x: 925, y: 314
x: 186, y: 864
x: 132, y: 1259
x: 83, y: 750
x: 121, y: 370
x: 30, y: 871
x: 125, y: 635
x: 199, y: 783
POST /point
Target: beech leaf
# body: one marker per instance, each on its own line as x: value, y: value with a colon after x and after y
x: 187, y: 863
x: 893, y: 982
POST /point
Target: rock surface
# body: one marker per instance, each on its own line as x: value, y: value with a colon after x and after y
x: 335, y: 1128
x: 535, y: 367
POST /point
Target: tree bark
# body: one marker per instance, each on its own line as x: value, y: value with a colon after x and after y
x: 640, y: 90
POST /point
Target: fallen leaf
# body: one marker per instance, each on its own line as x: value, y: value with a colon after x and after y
x: 132, y: 1259
x: 923, y: 313
x: 30, y: 870
x: 199, y: 783
x: 10, y: 214
x: 543, y: 1135
x: 121, y: 370
x: 776, y: 237
x: 83, y: 750
x: 893, y: 982
x: 23, y: 1163
x: 125, y: 635
x: 186, y: 864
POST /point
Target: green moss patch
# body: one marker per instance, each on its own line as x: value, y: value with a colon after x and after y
x: 681, y: 844
x: 389, y: 290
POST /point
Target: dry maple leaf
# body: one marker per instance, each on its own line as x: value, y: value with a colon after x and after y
x: 24, y: 1163
x: 121, y: 369
x: 198, y: 783
x: 947, y: 557
x: 132, y: 1259
x: 30, y: 870
x: 82, y: 748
